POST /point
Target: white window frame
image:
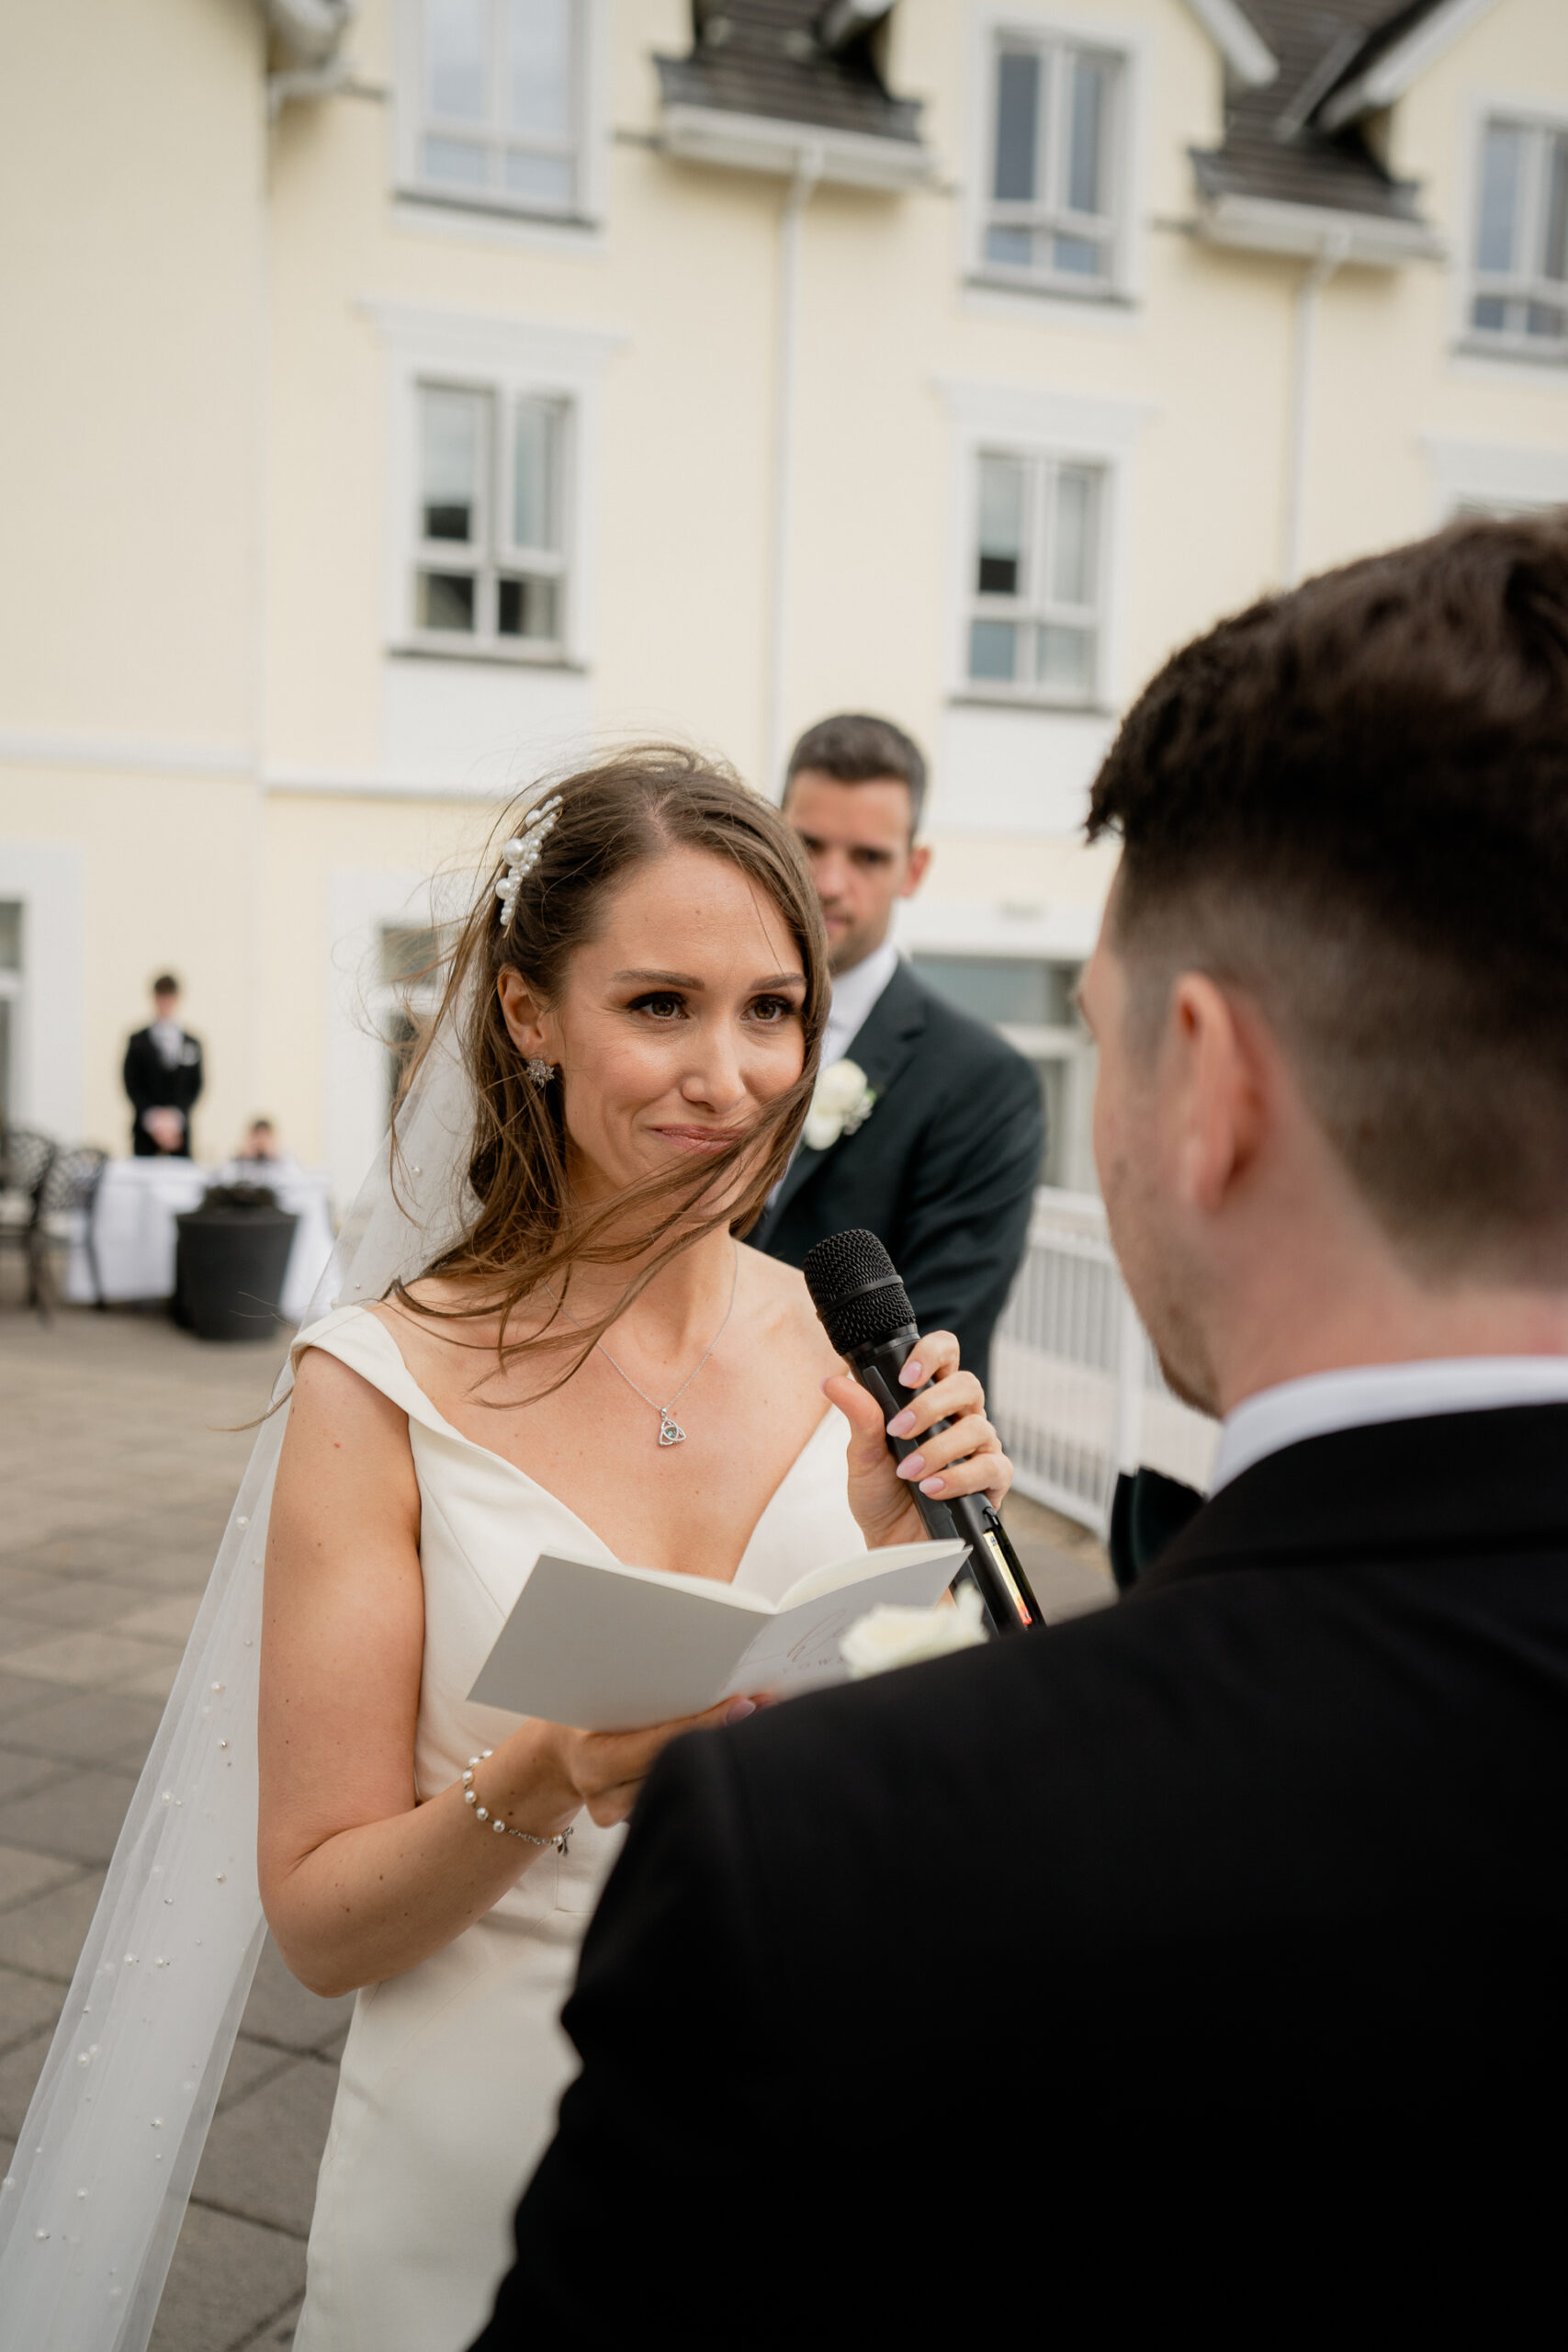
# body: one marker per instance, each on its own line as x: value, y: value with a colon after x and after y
x: 49, y: 1027
x: 1493, y: 477
x: 1486, y: 112
x: 492, y: 556
x: 13, y: 1010
x: 494, y: 208
x: 513, y: 359
x: 1056, y: 34
x: 1034, y: 607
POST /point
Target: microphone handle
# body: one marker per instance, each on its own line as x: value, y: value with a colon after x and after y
x: 996, y: 1567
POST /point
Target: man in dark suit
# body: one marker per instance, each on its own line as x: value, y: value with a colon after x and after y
x: 943, y: 1166
x: 162, y: 1077
x: 1233, y: 1920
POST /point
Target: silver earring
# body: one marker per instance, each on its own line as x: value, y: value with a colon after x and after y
x: 541, y: 1072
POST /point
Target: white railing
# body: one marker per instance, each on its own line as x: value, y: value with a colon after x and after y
x: 1075, y: 1388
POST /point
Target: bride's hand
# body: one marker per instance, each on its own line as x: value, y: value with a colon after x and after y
x: 606, y: 1768
x: 967, y: 1459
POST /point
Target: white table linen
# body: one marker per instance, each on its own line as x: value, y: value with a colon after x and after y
x: 134, y: 1231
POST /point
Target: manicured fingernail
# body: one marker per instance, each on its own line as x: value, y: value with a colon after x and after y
x: 902, y: 1425
x: 933, y: 1485
x: 739, y: 1709
x: 911, y: 1466
x: 912, y: 1374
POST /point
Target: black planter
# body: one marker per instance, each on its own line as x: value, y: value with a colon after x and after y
x: 229, y: 1264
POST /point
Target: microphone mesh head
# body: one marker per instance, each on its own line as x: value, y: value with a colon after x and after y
x: 856, y: 1291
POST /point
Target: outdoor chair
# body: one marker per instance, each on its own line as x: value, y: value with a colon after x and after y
x: 25, y: 1160
x: 69, y: 1197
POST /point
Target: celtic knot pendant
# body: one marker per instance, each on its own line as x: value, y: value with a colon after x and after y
x: 670, y: 1432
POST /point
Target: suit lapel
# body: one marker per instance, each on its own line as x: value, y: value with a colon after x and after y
x: 882, y: 1046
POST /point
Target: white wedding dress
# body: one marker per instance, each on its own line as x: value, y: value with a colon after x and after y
x: 453, y: 2072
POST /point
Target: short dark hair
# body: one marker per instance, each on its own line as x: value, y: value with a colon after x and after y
x: 1352, y: 802
x: 165, y: 985
x: 855, y: 749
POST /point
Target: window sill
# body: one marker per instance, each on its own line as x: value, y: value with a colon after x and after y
x: 490, y: 210
x: 490, y: 656
x: 1050, y: 289
x: 1508, y: 354
x: 972, y: 697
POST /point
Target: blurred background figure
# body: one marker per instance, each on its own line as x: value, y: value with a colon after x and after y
x: 927, y: 1129
x: 260, y: 1156
x: 162, y: 1077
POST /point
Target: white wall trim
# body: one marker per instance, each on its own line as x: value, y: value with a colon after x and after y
x: 30, y: 747
x: 1488, y: 472
x: 1248, y: 55
x: 756, y: 143
x: 310, y: 784
x: 1364, y: 239
x: 1399, y: 67
x: 48, y: 879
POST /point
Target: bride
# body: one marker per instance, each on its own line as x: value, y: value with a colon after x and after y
x: 580, y: 1357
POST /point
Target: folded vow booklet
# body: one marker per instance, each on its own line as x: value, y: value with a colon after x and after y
x: 610, y: 1648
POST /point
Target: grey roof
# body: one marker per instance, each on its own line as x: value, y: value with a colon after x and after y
x: 1271, y: 148
x: 762, y: 57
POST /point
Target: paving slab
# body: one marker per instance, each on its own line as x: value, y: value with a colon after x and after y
x: 20, y: 1775
x: 79, y: 1601
x: 264, y: 2151
x: 281, y: 2010
x: 28, y: 2006
x: 229, y: 2282
x: 45, y: 1934
x: 78, y: 1815
x: 23, y: 1873
x: 107, y: 1728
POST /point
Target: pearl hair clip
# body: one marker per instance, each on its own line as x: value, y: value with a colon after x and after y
x: 522, y: 853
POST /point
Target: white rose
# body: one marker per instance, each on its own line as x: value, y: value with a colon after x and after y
x: 840, y: 1101
x: 888, y: 1636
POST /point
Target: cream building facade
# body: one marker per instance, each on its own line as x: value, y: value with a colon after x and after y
x: 400, y: 405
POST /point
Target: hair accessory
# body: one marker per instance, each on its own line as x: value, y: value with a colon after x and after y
x: 522, y: 852
x: 471, y: 1796
x: 540, y: 1071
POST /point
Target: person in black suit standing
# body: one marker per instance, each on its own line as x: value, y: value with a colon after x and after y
x: 1231, y: 1922
x: 162, y: 1077
x: 932, y: 1137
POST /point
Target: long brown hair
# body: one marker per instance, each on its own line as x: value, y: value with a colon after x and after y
x: 526, y: 1230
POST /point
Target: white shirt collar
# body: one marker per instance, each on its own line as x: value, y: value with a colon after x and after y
x: 854, y: 993
x: 168, y: 1037
x: 1366, y: 1394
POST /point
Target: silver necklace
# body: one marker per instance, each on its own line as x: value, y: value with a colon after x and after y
x: 670, y: 1430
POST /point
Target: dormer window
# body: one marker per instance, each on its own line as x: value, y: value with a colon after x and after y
x: 497, y: 122
x: 1520, y: 301
x: 1050, y: 219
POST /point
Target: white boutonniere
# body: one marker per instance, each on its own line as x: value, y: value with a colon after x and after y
x: 890, y: 1635
x: 841, y: 1103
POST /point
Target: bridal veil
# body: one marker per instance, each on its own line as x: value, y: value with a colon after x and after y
x: 92, y: 2207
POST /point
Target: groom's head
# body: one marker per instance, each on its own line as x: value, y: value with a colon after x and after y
x: 1331, y: 992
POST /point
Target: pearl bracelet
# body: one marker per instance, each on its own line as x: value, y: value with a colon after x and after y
x: 471, y: 1796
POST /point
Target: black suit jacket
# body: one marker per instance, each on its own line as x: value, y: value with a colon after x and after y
x: 1260, y: 1876
x: 153, y: 1086
x: 942, y: 1171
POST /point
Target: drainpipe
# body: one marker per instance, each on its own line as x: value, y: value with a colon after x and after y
x: 1315, y: 277
x: 808, y: 172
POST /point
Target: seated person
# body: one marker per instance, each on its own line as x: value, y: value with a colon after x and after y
x: 259, y: 1160
x: 1238, y: 1910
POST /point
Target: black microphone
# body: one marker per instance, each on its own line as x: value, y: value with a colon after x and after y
x: 866, y: 1314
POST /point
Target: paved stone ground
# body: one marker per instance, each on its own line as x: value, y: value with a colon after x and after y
x: 116, y: 1474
